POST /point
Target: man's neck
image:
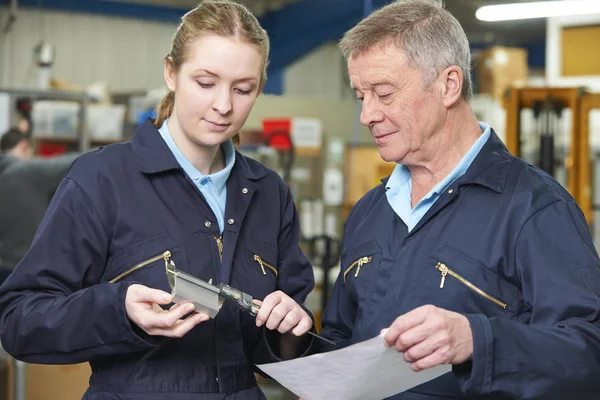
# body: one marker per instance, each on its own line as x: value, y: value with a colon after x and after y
x: 457, y: 137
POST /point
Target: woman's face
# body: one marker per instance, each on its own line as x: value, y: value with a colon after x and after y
x: 215, y: 88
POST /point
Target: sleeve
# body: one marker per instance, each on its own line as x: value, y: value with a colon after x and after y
x: 53, y: 310
x: 296, y: 279
x: 48, y: 173
x: 553, y: 349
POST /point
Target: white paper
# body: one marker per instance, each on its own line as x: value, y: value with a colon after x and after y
x: 365, y: 371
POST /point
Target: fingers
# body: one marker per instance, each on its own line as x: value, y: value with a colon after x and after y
x: 421, y: 349
x: 280, y: 312
x: 277, y: 316
x: 146, y: 294
x: 404, y: 323
x: 181, y: 327
x: 411, y: 337
x: 291, y: 319
x: 432, y: 360
x: 267, y: 306
x: 303, y: 326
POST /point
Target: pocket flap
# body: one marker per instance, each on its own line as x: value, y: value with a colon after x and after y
x: 366, y: 249
x: 264, y: 251
x: 477, y: 274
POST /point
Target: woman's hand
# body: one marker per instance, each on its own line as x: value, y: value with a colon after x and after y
x: 143, y: 308
x: 280, y: 312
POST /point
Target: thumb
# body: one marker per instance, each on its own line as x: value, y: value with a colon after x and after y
x: 154, y: 296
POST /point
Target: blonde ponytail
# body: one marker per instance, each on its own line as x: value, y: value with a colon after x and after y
x: 165, y: 109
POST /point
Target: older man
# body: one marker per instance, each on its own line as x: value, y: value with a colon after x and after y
x: 468, y: 255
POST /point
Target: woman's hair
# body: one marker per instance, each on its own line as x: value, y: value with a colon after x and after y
x: 213, y: 17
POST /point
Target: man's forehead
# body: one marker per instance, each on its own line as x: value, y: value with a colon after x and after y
x: 367, y: 82
x: 379, y: 65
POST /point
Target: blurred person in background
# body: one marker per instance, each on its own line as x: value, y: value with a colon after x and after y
x: 94, y: 287
x: 16, y: 144
x: 27, y: 184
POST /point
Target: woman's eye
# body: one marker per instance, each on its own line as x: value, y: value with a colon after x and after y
x: 205, y: 85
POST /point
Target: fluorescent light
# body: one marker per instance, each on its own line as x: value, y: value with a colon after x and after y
x: 538, y: 9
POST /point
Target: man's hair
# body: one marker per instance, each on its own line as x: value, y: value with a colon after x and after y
x: 11, y: 139
x: 430, y: 37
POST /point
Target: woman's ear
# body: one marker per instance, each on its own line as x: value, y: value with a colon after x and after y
x: 170, y: 74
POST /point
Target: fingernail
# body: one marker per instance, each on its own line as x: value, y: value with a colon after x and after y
x: 259, y: 322
x: 166, y: 297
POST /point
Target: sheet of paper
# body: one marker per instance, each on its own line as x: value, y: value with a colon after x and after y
x: 365, y: 371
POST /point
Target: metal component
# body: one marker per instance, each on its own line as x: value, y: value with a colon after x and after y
x: 208, y: 298
x: 207, y: 224
x: 20, y: 379
x: 186, y: 288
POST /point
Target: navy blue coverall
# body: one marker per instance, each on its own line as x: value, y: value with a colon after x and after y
x: 125, y: 205
x: 523, y: 270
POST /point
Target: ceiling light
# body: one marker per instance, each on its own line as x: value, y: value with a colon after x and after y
x: 538, y: 9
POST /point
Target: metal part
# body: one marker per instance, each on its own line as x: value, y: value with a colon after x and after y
x: 186, y: 288
x: 20, y: 379
x: 209, y: 298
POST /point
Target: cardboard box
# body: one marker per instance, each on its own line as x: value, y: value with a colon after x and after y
x: 53, y: 382
x: 499, y: 68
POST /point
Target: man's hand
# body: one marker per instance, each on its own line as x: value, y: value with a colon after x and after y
x: 280, y: 312
x: 143, y: 308
x: 429, y: 336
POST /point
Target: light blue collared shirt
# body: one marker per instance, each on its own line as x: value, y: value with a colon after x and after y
x: 399, y: 186
x: 213, y: 186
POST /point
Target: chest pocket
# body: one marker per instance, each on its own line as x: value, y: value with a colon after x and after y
x: 360, y: 268
x: 144, y: 263
x: 454, y: 281
x: 261, y: 269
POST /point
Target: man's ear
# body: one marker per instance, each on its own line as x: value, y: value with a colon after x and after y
x: 452, y: 81
x: 170, y: 75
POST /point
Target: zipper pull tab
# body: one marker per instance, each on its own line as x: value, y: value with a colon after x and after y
x: 444, y: 271
x: 361, y: 262
x: 220, y: 247
x: 262, y: 267
x: 167, y: 257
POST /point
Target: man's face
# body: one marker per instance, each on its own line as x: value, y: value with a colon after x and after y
x: 401, y: 114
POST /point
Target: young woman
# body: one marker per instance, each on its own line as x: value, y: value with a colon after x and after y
x: 93, y: 286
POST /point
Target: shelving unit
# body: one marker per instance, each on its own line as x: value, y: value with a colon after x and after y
x: 83, y: 137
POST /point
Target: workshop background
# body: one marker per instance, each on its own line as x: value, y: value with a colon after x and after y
x: 83, y: 73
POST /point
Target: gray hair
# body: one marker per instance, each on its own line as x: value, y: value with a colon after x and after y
x: 431, y: 38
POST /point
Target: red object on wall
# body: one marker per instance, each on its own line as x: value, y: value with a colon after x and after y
x: 282, y: 127
x: 49, y: 149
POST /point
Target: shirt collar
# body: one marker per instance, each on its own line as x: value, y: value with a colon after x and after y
x: 400, y: 176
x: 219, y: 178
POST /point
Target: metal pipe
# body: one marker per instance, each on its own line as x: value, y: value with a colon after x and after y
x: 20, y: 380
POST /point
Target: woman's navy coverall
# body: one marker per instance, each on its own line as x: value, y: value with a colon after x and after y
x: 127, y: 204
